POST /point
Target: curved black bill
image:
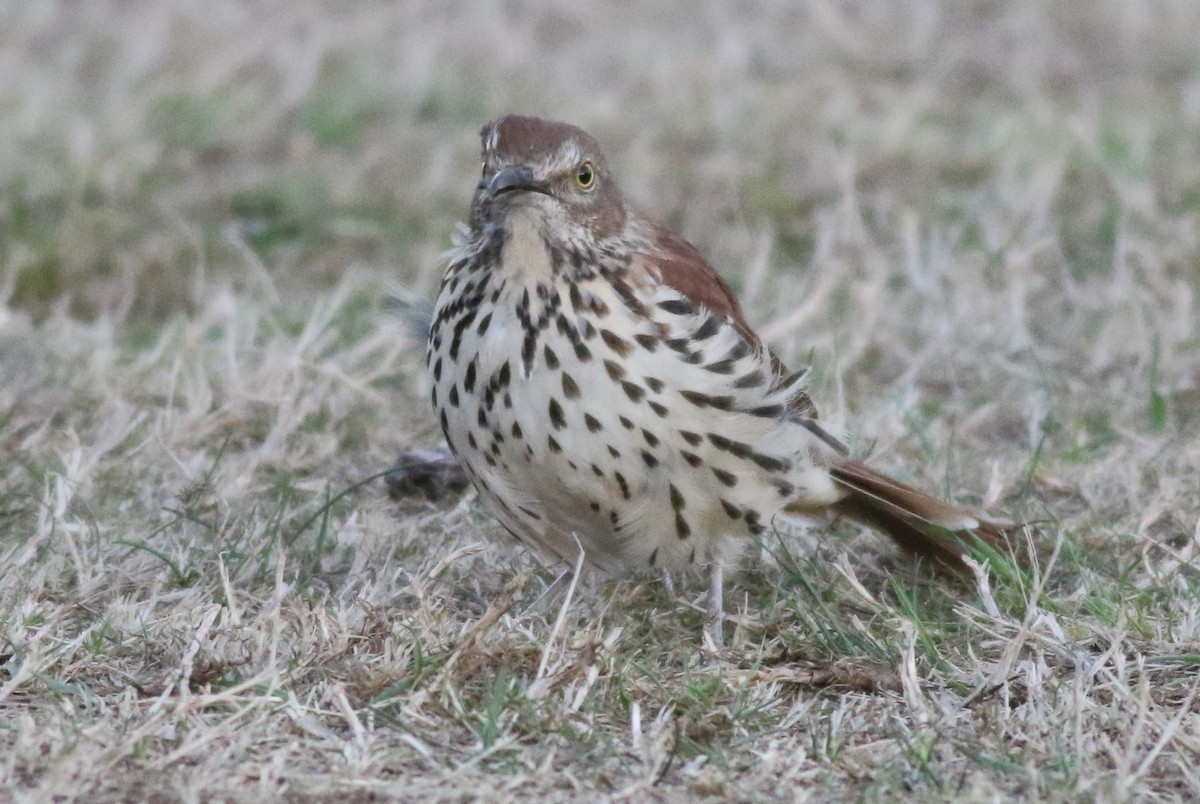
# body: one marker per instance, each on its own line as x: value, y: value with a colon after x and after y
x: 514, y: 178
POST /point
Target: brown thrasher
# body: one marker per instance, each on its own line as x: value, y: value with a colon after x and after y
x: 598, y: 381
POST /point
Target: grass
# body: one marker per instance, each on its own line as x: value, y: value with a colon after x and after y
x: 977, y: 221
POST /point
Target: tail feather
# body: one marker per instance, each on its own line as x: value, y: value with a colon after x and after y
x: 919, y: 523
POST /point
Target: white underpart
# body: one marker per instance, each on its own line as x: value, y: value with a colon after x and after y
x: 557, y: 489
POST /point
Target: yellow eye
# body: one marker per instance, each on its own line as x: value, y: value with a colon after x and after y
x: 585, y: 177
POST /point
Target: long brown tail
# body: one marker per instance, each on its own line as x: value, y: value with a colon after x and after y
x: 918, y: 522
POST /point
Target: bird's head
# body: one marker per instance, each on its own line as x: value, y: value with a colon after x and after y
x: 552, y: 171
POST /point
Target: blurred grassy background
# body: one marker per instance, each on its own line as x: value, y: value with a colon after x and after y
x: 147, y: 142
x: 979, y: 220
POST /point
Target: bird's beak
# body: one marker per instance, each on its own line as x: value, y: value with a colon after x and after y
x: 514, y: 178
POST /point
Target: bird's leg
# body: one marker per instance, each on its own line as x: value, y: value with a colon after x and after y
x: 563, y: 585
x: 552, y: 594
x: 716, y: 604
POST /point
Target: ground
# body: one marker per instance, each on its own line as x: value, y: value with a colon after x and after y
x: 978, y: 221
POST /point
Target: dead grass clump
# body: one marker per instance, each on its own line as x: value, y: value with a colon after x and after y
x: 977, y: 221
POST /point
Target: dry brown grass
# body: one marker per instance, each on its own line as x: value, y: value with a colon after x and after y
x: 979, y: 221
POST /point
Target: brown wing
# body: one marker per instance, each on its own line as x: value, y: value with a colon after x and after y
x: 684, y: 268
x: 919, y: 523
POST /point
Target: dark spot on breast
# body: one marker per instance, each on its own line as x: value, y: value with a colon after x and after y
x: 620, y: 478
x: 456, y: 336
x: 738, y: 351
x: 658, y: 408
x: 728, y: 478
x: 653, y: 383
x: 570, y: 389
x: 484, y: 323
x: 619, y: 345
x: 628, y: 297
x: 682, y: 529
x: 771, y: 464
x: 654, y: 556
x: 721, y: 367
x: 597, y: 471
x: 649, y: 459
x: 731, y: 510
x: 469, y: 377
x: 595, y: 506
x: 647, y: 342
x: 650, y: 437
x: 527, y: 349
x: 635, y: 392
x: 739, y: 449
x: 692, y: 458
x: 593, y: 424
x: 692, y: 438
x: 708, y: 401
x: 613, y: 451
x: 628, y: 425
x: 677, y: 501
x: 706, y: 330
x: 677, y: 307
x: 453, y: 396
x: 517, y: 432
x: 768, y: 411
x: 556, y: 415
x: 615, y: 370
x: 437, y: 370
x: 751, y: 380
x: 550, y: 357
x: 553, y: 445
x: 681, y: 345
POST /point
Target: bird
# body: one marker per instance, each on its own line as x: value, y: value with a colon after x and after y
x: 600, y: 384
